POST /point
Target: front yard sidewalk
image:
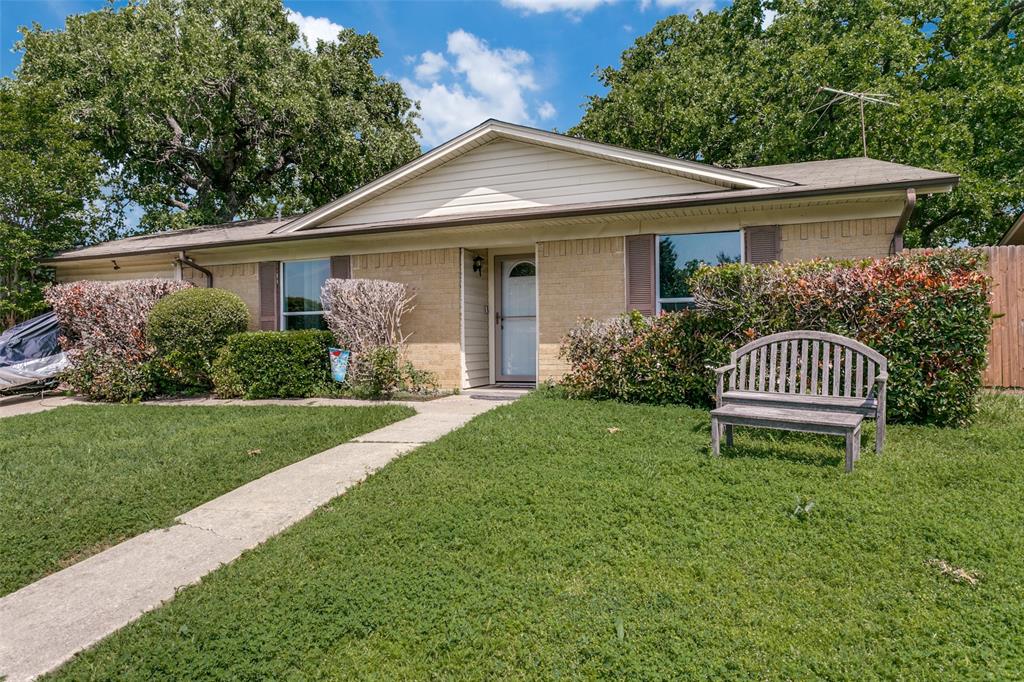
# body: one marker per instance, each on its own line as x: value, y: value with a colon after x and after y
x: 49, y: 621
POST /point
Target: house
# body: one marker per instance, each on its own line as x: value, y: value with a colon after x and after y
x: 1015, y: 235
x: 509, y: 235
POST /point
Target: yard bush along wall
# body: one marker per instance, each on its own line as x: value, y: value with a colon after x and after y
x: 927, y: 313
x: 576, y: 278
x: 292, y: 364
x: 1006, y: 343
x: 433, y: 325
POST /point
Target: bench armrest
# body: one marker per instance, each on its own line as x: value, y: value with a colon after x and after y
x: 720, y: 382
x: 882, y: 378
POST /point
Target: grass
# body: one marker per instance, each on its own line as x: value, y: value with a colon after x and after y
x: 78, y: 479
x: 540, y: 542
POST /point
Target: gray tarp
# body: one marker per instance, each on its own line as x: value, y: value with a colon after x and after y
x: 30, y: 352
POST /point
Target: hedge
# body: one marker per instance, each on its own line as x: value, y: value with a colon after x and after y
x: 188, y: 329
x: 292, y: 364
x: 103, y: 331
x: 643, y: 360
x: 926, y: 312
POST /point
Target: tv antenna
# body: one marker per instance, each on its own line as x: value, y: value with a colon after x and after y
x: 840, y: 96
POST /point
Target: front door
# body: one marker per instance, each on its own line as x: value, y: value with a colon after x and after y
x: 515, y: 318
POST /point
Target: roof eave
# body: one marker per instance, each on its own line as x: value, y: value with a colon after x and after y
x: 936, y: 185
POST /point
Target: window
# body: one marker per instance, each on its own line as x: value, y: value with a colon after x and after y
x: 301, y: 282
x: 679, y: 256
x: 524, y: 269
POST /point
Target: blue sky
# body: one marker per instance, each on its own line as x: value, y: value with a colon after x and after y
x: 525, y: 61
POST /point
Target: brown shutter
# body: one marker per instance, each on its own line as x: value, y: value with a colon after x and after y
x: 763, y: 244
x: 341, y: 267
x: 270, y: 294
x: 640, y: 291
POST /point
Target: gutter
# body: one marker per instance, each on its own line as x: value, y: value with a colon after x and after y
x: 183, y: 259
x: 896, y: 245
x: 597, y: 208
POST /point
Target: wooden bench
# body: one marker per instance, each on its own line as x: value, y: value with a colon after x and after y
x: 802, y: 381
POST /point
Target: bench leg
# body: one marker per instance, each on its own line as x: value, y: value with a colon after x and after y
x: 879, y: 435
x: 716, y: 433
x: 728, y: 435
x: 852, y: 448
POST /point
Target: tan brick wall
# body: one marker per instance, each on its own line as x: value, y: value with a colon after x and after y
x: 239, y: 278
x: 867, y: 238
x: 434, y: 324
x: 577, y: 278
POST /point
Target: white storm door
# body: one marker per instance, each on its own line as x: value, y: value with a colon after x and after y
x: 516, y: 319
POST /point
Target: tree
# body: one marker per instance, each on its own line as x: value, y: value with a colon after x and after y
x: 49, y: 196
x: 730, y: 88
x: 205, y: 111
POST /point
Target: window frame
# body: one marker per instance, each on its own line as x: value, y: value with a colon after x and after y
x: 658, y: 300
x: 283, y: 297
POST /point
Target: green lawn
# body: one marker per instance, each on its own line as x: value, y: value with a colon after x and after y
x: 537, y: 543
x: 78, y: 479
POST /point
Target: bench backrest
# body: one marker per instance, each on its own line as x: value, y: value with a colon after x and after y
x: 807, y: 362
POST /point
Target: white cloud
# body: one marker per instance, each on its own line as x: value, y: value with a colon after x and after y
x: 768, y: 18
x: 431, y: 65
x: 546, y: 110
x: 681, y: 5
x: 544, y: 6
x: 480, y: 83
x: 315, y: 28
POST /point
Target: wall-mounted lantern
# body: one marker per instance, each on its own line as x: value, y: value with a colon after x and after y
x: 478, y: 265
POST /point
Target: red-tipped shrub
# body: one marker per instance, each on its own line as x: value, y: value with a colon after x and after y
x: 103, y: 328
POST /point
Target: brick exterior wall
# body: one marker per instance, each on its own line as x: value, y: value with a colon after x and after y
x: 576, y: 278
x: 868, y: 238
x: 434, y: 325
x: 240, y: 278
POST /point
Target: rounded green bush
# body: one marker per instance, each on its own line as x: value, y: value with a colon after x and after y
x: 188, y: 329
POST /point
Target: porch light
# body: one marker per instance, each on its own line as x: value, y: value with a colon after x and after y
x: 478, y: 265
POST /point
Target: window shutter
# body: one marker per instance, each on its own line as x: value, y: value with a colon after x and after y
x: 270, y: 294
x: 640, y: 291
x: 341, y: 267
x: 763, y: 244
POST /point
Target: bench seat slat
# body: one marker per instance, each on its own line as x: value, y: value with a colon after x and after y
x: 867, y: 405
x: 791, y: 417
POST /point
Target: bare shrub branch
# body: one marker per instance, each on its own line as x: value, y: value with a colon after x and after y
x: 366, y: 313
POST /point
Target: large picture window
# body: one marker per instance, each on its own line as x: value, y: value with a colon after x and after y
x: 301, y: 282
x: 679, y: 257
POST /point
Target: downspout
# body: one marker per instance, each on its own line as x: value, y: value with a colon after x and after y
x: 182, y: 259
x: 896, y: 245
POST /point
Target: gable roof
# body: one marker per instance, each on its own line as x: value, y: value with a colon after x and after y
x: 744, y: 185
x: 858, y: 170
x: 493, y: 130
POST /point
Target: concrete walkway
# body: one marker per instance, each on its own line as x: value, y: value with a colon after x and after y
x: 46, y: 623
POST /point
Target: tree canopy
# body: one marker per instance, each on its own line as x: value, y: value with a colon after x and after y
x: 204, y: 111
x: 731, y: 87
x: 49, y: 195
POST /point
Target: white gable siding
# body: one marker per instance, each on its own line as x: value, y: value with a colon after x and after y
x: 505, y: 175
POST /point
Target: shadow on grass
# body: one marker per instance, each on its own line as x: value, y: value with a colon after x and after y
x: 799, y: 448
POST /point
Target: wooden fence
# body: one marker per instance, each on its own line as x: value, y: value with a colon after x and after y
x: 1006, y: 345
